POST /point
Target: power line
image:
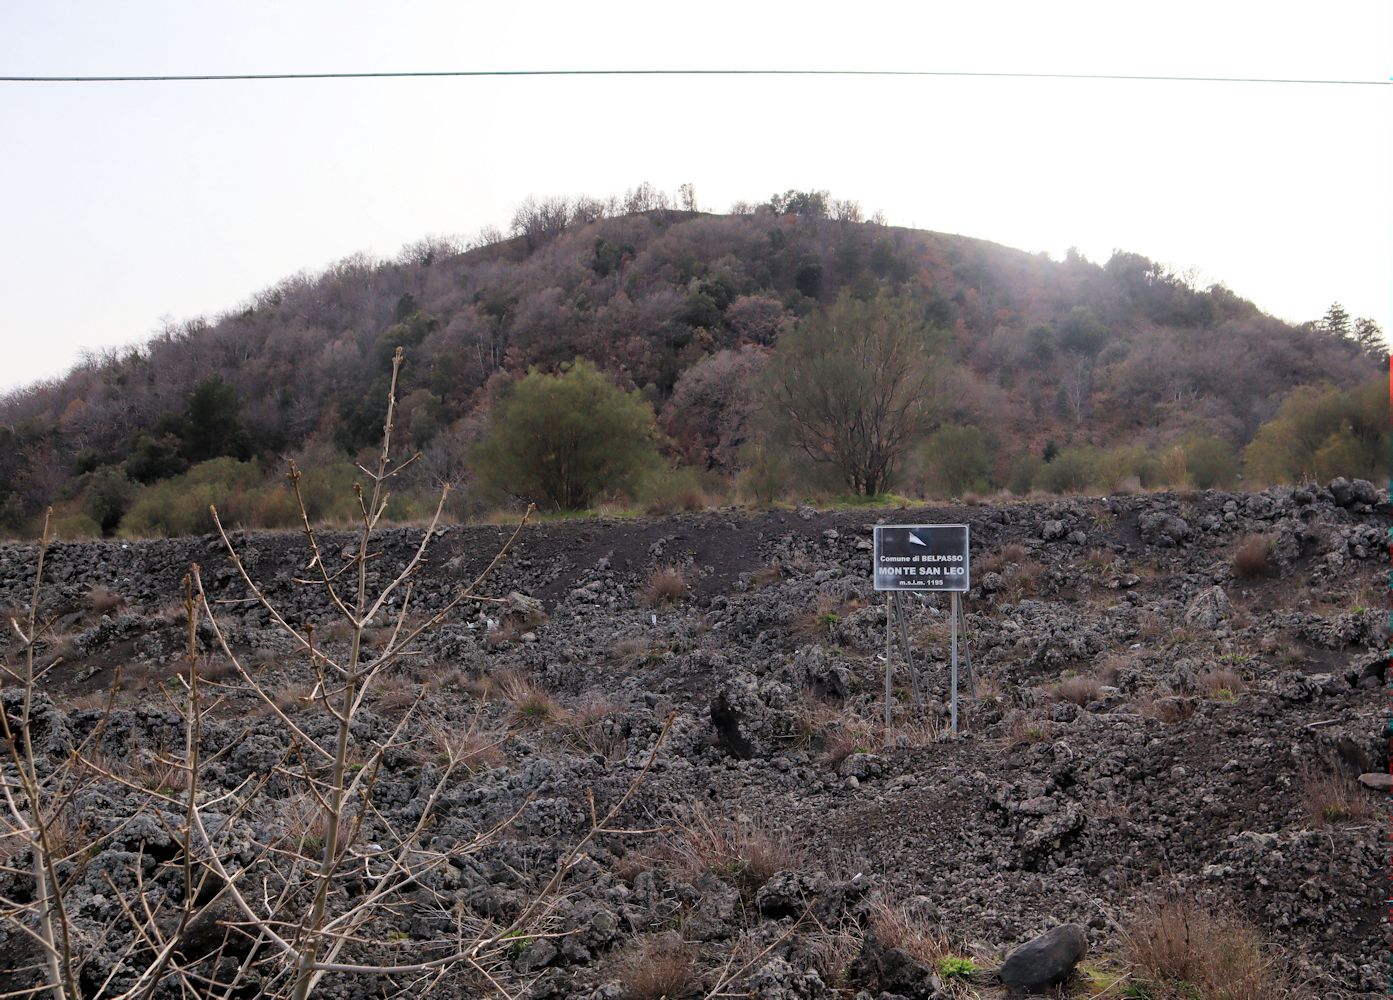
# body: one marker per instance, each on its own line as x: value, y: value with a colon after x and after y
x: 223, y: 77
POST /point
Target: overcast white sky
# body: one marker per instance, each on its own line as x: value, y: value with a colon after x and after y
x: 126, y: 203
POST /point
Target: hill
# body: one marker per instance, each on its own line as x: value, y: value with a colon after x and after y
x: 1038, y: 355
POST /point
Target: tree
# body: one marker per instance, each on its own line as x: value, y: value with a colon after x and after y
x: 561, y: 440
x: 1336, y: 321
x: 108, y: 495
x: 1368, y: 335
x: 211, y: 425
x: 852, y: 387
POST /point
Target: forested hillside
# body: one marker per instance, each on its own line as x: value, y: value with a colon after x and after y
x: 1036, y: 373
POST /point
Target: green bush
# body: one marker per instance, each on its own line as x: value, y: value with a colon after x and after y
x: 179, y: 506
x: 955, y: 460
x: 764, y: 477
x: 107, y: 496
x: 1020, y: 479
x: 664, y: 491
x: 1320, y: 433
x: 563, y: 440
x: 1072, y: 471
x: 73, y: 526
x: 1211, y: 462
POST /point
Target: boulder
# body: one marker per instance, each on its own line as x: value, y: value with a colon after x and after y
x: 1377, y: 780
x: 1051, y: 530
x: 1045, y: 961
x: 1161, y: 529
x: 1208, y: 609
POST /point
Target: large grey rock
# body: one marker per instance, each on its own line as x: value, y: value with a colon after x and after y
x: 1161, y: 529
x: 1045, y: 961
x: 1208, y: 609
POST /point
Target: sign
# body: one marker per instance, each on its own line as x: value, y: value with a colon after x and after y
x: 922, y: 557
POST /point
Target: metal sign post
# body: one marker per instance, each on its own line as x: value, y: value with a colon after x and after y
x: 921, y: 558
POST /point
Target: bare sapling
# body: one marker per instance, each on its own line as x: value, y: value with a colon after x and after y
x: 296, y: 871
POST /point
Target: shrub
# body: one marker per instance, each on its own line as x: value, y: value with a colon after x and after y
x: 1021, y: 477
x: 852, y: 386
x: 1080, y: 690
x: 107, y: 496
x: 1181, y: 951
x: 1211, y: 462
x: 1331, y: 797
x: 1252, y: 559
x: 663, y: 967
x: 666, y: 585
x: 667, y: 491
x: 76, y: 526
x: 764, y: 477
x: 179, y: 506
x: 1071, y: 471
x: 955, y: 460
x: 562, y: 440
x: 1321, y: 432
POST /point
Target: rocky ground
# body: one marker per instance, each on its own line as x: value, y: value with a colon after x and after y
x: 1162, y: 716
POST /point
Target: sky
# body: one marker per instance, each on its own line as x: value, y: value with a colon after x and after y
x: 129, y: 205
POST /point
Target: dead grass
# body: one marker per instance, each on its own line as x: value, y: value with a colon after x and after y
x: 1169, y: 709
x: 638, y: 649
x: 740, y: 851
x: 393, y: 694
x: 661, y: 967
x: 1331, y: 797
x: 1023, y: 581
x: 1180, y: 951
x: 1022, y: 731
x: 104, y: 601
x: 666, y: 585
x: 998, y: 561
x: 472, y: 746
x: 896, y: 927
x: 1221, y: 684
x: 816, y: 623
x: 1252, y: 560
x: 767, y: 575
x: 1081, y: 689
x: 589, y: 726
x: 532, y: 705
x: 1112, y: 666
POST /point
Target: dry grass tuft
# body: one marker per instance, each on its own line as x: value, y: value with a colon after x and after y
x: 662, y: 967
x: 104, y: 601
x: 1023, y: 731
x: 767, y: 575
x: 1169, y: 709
x: 998, y: 561
x: 896, y: 927
x: 532, y: 705
x: 590, y: 728
x: 1181, y: 951
x: 815, y: 623
x: 472, y: 746
x: 666, y: 585
x: 1332, y: 797
x: 1222, y: 684
x: 1252, y: 560
x: 1080, y: 689
x: 738, y: 850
